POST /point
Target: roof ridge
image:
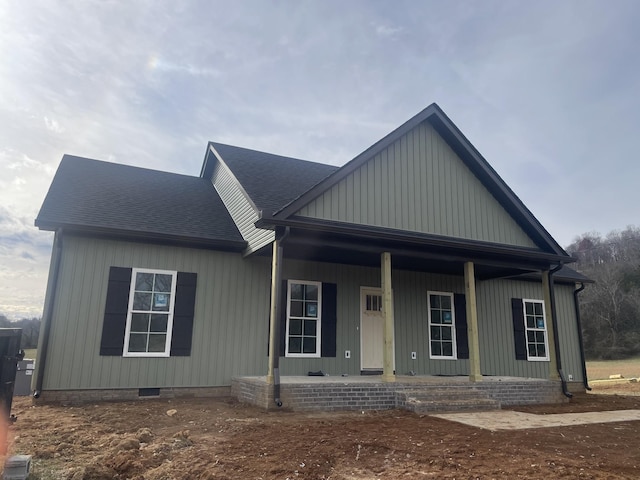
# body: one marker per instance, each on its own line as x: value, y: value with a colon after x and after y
x: 275, y: 154
x: 68, y: 156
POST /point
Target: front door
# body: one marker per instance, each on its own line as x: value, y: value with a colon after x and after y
x: 371, y: 330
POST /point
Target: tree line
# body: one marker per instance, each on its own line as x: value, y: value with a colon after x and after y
x: 30, y: 330
x: 610, y: 308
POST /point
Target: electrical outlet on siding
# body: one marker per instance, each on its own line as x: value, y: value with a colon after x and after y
x: 347, y: 354
x: 570, y: 376
x: 414, y: 355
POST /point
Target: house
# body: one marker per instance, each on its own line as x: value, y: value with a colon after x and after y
x: 413, y: 258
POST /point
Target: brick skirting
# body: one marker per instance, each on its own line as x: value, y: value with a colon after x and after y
x: 324, y: 394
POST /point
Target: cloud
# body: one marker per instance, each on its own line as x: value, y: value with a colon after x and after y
x: 386, y: 30
x: 53, y: 125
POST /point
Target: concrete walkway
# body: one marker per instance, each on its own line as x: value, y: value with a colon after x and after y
x: 510, y: 420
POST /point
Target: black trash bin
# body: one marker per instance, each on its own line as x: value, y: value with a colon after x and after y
x: 10, y: 355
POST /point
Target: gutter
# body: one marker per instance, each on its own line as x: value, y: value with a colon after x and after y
x: 556, y: 339
x: 579, y: 324
x: 279, y: 306
x: 48, y: 316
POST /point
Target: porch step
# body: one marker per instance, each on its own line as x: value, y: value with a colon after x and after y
x: 446, y: 399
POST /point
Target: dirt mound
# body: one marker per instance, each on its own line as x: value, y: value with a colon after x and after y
x: 218, y: 439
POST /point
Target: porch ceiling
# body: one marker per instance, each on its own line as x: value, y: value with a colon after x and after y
x: 490, y: 262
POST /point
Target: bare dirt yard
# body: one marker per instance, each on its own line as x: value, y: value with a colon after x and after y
x: 221, y: 439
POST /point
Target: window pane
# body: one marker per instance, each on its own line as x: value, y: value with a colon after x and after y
x: 436, y: 349
x: 446, y: 302
x: 163, y: 283
x: 539, y: 322
x: 446, y: 333
x: 311, y: 309
x: 295, y: 345
x: 435, y: 333
x: 368, y: 306
x: 532, y: 350
x: 139, y: 322
x: 436, y: 316
x: 161, y: 302
x: 311, y: 292
x: 295, y: 327
x: 540, y: 337
x: 144, y: 282
x: 537, y: 308
x: 434, y: 301
x: 142, y: 301
x: 296, y: 308
x: 309, y: 345
x: 296, y: 291
x: 310, y: 328
x: 447, y: 349
x: 528, y: 308
x: 157, y: 342
x: 447, y: 317
x: 541, y: 350
x: 531, y: 336
x: 138, y: 342
x: 159, y: 323
x: 531, y: 322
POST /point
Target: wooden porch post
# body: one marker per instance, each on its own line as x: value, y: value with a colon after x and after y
x: 273, y: 319
x: 548, y: 313
x: 475, y: 374
x: 387, y: 312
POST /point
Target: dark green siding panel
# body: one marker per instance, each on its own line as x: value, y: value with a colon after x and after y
x: 232, y: 302
x: 419, y: 184
x: 232, y: 311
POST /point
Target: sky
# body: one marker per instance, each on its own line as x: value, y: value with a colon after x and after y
x: 547, y: 91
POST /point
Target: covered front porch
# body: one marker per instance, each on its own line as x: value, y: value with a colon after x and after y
x: 421, y: 394
x: 405, y: 272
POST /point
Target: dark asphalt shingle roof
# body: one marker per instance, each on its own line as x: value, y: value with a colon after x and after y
x: 272, y: 181
x: 89, y: 193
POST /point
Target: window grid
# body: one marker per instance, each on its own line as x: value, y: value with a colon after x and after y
x: 536, y: 330
x: 303, y: 318
x: 441, y: 326
x: 150, y: 316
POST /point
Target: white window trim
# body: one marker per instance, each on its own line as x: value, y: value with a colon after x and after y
x: 453, y: 326
x: 318, y: 353
x: 526, y: 329
x: 132, y: 287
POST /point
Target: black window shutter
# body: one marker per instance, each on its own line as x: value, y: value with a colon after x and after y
x: 519, y: 334
x: 329, y: 319
x: 115, y: 311
x: 183, y: 312
x: 283, y: 316
x: 462, y: 337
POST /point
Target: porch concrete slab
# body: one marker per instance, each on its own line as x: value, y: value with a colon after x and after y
x: 510, y: 420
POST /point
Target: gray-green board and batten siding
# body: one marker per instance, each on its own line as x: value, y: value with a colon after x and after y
x: 419, y: 184
x: 231, y: 319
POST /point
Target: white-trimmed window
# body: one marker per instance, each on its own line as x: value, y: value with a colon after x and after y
x: 304, y: 318
x: 150, y: 314
x: 535, y: 324
x: 442, y: 326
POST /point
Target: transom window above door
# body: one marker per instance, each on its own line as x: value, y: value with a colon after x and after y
x: 442, y: 330
x: 373, y: 303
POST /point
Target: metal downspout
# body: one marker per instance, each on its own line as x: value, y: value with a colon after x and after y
x: 556, y: 339
x: 279, y: 306
x: 48, y: 316
x: 579, y: 324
